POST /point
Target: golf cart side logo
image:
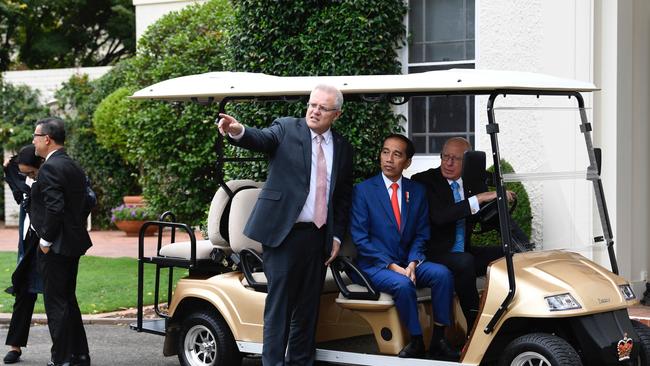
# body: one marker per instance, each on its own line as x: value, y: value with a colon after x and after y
x: 624, y: 348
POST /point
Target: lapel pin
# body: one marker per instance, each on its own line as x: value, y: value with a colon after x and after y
x: 407, y: 196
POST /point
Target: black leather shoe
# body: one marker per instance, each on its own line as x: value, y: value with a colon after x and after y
x: 414, y: 349
x: 12, y: 356
x: 80, y: 360
x: 441, y: 350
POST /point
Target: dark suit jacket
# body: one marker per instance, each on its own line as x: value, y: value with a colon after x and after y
x: 444, y: 212
x: 288, y: 143
x: 374, y: 228
x: 57, y: 205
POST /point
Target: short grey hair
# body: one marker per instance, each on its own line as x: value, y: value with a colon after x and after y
x: 338, y: 103
x: 459, y: 140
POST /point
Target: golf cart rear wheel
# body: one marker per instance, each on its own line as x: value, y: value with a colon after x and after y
x: 539, y: 349
x: 644, y: 335
x: 206, y: 340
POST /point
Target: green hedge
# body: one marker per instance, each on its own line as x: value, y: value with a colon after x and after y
x: 522, y: 214
x: 319, y: 38
x: 111, y: 177
x: 174, y: 145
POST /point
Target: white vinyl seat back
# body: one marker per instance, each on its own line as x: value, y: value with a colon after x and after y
x: 240, y: 210
x: 217, y: 221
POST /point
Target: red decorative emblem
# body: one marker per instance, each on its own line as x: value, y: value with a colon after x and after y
x: 624, y: 348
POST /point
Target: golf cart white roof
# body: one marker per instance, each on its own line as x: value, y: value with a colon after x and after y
x: 215, y: 86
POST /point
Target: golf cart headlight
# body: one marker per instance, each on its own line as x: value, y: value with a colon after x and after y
x: 627, y: 292
x: 562, y: 302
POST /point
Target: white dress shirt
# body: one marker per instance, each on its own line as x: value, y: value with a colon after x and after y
x: 307, y: 213
x: 388, y: 183
x: 473, y: 201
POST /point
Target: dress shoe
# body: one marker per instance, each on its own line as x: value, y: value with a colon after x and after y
x: 414, y: 349
x: 441, y: 350
x: 80, y: 360
x: 12, y: 356
x: 52, y: 363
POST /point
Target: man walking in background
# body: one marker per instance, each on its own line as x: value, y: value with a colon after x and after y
x: 59, y: 218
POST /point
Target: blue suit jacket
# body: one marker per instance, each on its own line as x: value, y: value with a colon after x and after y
x: 288, y: 143
x: 374, y: 228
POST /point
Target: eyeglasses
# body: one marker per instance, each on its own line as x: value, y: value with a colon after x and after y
x: 38, y: 134
x: 320, y: 108
x: 453, y: 159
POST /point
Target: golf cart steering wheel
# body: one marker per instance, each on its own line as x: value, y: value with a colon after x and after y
x: 488, y: 215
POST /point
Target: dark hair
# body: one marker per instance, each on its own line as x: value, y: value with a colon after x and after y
x: 54, y: 128
x: 27, y: 156
x: 410, y: 148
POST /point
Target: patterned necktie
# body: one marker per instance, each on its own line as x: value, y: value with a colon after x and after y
x: 320, y: 207
x: 395, y: 203
x: 459, y: 243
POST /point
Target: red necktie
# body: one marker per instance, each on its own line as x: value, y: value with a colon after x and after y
x: 395, y: 204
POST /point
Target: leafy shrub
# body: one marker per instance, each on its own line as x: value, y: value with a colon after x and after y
x: 110, y: 176
x: 521, y: 215
x: 111, y: 121
x: 174, y: 145
x: 319, y: 38
x: 19, y: 111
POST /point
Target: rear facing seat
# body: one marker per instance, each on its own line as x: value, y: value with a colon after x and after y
x: 218, y: 217
x: 251, y: 251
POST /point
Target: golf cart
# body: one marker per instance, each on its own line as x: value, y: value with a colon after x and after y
x: 542, y: 307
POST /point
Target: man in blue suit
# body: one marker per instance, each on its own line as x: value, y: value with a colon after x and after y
x: 300, y: 214
x: 390, y: 227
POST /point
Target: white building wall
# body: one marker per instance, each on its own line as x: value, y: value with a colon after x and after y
x: 47, y: 82
x: 148, y: 11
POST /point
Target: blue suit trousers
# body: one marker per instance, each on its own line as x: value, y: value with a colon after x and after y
x: 427, y: 274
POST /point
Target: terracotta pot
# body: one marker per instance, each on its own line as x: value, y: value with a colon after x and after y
x: 137, y: 201
x: 132, y: 227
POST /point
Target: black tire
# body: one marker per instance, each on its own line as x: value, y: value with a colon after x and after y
x: 206, y: 340
x: 643, y: 332
x: 540, y: 348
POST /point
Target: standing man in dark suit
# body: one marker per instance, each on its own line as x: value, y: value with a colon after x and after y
x: 452, y: 202
x: 300, y: 217
x: 390, y: 227
x: 57, y: 212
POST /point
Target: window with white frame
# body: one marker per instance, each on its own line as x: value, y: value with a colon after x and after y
x: 441, y: 37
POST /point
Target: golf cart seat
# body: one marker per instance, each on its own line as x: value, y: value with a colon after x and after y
x: 218, y: 235
x: 377, y: 308
x: 250, y: 251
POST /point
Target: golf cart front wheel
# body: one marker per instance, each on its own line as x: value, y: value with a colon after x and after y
x: 644, y: 335
x: 539, y: 349
x: 206, y: 340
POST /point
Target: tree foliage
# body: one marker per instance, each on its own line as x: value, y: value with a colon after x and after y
x: 65, y: 33
x: 111, y: 177
x: 320, y: 38
x: 174, y: 145
x: 20, y: 108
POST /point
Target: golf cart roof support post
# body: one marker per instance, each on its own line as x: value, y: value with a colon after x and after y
x: 504, y: 224
x: 219, y: 147
x: 585, y: 128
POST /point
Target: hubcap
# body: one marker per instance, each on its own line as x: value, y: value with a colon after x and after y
x: 200, y: 346
x: 530, y: 359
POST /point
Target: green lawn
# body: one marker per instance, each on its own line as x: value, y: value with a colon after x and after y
x: 103, y: 284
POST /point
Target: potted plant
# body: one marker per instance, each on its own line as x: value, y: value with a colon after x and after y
x: 129, y: 218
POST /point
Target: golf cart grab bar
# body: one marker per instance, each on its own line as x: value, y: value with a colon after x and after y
x: 342, y: 264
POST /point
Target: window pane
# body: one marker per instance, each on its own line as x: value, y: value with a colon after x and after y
x: 441, y: 30
x: 417, y: 114
x: 436, y: 143
x: 448, y: 114
x: 420, y: 143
